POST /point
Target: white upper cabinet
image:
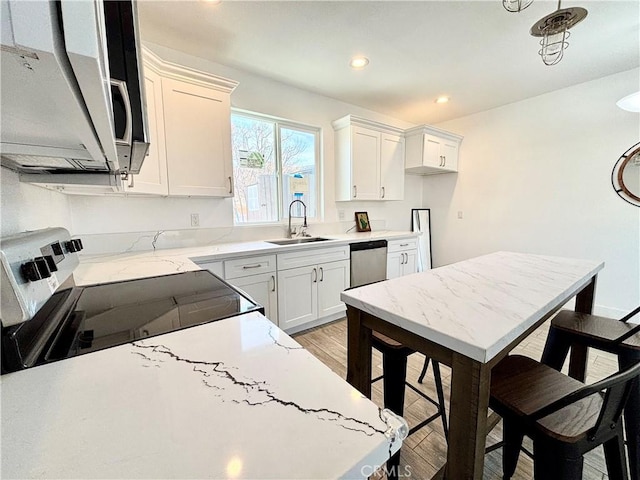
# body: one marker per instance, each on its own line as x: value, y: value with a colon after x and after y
x: 391, y: 167
x: 197, y: 126
x: 431, y: 151
x: 190, y: 123
x: 369, y: 160
x: 152, y: 178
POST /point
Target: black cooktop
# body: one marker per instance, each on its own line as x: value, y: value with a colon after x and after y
x: 86, y: 319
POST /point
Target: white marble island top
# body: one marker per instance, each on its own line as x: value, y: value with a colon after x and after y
x: 478, y: 306
x: 236, y: 398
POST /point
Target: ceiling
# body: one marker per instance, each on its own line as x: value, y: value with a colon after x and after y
x: 473, y: 51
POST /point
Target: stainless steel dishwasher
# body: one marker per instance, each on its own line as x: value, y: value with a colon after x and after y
x: 368, y: 262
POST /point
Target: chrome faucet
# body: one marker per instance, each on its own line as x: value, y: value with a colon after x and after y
x: 304, y: 225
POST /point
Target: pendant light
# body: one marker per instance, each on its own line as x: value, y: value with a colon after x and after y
x: 554, y: 30
x: 515, y: 6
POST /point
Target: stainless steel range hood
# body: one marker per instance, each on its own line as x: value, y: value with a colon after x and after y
x: 61, y: 115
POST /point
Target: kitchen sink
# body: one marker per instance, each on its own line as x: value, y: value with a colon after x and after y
x: 296, y: 241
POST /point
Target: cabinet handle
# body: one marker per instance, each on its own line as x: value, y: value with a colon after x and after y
x: 444, y: 159
x: 230, y: 185
x: 321, y: 274
x: 131, y: 180
x: 315, y: 275
x: 382, y: 192
x: 273, y: 279
x: 145, y: 332
x: 355, y: 191
x: 247, y: 267
x: 404, y: 244
x: 441, y: 160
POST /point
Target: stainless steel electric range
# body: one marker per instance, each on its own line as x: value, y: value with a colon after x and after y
x: 46, y: 318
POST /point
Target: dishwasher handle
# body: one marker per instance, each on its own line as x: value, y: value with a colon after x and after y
x: 370, y: 245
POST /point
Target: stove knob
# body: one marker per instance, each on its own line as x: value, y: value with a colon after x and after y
x: 57, y: 249
x: 74, y: 245
x: 43, y: 267
x: 71, y: 246
x: 30, y: 271
x: 51, y: 263
x: 36, y: 269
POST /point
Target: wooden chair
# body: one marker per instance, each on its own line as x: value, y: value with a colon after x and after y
x: 564, y: 417
x: 578, y: 332
x: 394, y: 367
x: 394, y: 373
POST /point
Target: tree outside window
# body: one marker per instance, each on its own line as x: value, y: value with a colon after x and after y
x: 274, y: 163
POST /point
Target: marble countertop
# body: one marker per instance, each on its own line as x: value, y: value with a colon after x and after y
x: 236, y: 398
x: 478, y: 306
x: 129, y: 265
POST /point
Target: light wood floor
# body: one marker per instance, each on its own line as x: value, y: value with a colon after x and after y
x: 426, y: 450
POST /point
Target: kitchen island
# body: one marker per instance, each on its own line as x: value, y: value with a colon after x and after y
x: 236, y: 398
x: 468, y: 315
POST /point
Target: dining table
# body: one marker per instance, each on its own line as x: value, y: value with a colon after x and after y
x: 467, y: 315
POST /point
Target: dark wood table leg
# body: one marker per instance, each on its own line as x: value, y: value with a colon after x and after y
x: 470, y: 382
x: 358, y: 352
x: 580, y: 353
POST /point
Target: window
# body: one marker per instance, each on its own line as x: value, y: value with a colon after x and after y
x: 274, y: 163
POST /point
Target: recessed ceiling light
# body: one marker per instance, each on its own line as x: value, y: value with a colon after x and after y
x: 442, y: 99
x: 630, y: 103
x: 359, y: 62
x: 213, y: 2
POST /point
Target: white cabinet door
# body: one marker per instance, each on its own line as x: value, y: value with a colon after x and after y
x: 262, y: 288
x: 365, y: 163
x: 297, y: 296
x: 391, y: 167
x: 198, y: 139
x: 394, y: 267
x: 410, y: 262
x: 333, y: 279
x: 152, y: 178
x: 432, y: 156
x: 449, y: 152
x: 400, y: 263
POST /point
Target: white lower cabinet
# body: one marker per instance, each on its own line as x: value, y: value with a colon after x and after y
x: 297, y: 296
x: 311, y: 292
x: 402, y: 258
x: 310, y: 283
x: 262, y: 289
x: 256, y: 276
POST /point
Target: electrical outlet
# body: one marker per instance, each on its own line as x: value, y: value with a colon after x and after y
x: 460, y: 214
x: 340, y: 214
x: 195, y: 220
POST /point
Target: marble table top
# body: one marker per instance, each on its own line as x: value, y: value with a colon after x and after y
x: 236, y: 398
x: 476, y: 307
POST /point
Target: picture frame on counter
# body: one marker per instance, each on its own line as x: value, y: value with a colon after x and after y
x: 362, y: 222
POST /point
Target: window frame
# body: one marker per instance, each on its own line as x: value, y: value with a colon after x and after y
x: 280, y: 123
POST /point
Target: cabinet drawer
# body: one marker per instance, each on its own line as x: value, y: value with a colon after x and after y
x: 243, y: 267
x: 404, y: 244
x: 312, y: 257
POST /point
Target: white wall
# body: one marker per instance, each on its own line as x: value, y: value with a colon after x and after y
x: 535, y: 176
x: 27, y: 207
x: 258, y: 94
